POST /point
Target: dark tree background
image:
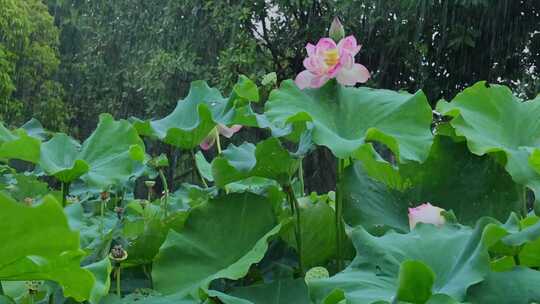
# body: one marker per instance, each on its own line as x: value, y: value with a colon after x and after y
x: 137, y: 57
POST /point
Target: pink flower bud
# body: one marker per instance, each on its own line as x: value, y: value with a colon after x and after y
x: 336, y: 32
x: 426, y: 213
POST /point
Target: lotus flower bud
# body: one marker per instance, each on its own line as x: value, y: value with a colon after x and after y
x: 104, y: 196
x: 336, y: 32
x: 28, y: 201
x: 426, y: 213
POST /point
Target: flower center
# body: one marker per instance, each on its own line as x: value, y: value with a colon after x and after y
x: 331, y: 57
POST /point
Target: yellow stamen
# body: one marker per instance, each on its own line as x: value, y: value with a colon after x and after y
x: 331, y: 57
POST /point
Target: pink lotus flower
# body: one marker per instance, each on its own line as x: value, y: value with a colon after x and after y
x: 209, y: 141
x: 326, y: 60
x: 426, y: 213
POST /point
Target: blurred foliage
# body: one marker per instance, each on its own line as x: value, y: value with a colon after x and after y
x: 137, y: 57
x: 28, y: 64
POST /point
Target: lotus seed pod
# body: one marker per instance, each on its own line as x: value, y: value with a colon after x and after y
x: 316, y: 273
x: 150, y: 183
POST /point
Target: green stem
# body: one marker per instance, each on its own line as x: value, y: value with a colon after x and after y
x: 164, y: 181
x: 102, y: 217
x: 65, y: 192
x: 301, y: 176
x: 339, y: 211
x: 30, y: 298
x: 149, y: 197
x: 118, y: 290
x: 295, y: 208
x: 516, y: 259
x: 1, y: 289
x: 218, y: 141
x: 165, y: 198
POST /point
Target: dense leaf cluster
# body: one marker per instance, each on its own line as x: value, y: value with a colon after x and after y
x: 74, y: 228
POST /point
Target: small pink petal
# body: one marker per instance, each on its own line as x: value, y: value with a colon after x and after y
x: 209, y: 141
x: 304, y: 79
x: 357, y: 73
x: 314, y: 64
x: 346, y: 61
x: 228, y: 132
x: 319, y: 81
x: 323, y: 45
x: 310, y: 48
x: 349, y: 46
x: 426, y: 213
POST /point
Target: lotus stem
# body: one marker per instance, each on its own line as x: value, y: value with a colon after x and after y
x: 118, y: 287
x: 295, y: 209
x: 165, y: 197
x: 64, y: 188
x: 1, y: 289
x: 301, y: 176
x: 339, y: 211
x: 218, y: 141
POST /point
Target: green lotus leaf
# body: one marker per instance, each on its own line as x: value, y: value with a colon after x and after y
x: 378, y: 194
x: 455, y: 256
x: 415, y: 282
x: 318, y: 230
x: 204, y: 167
x: 221, y: 238
x: 18, y: 144
x: 25, y: 186
x: 146, y: 229
x: 102, y: 274
x: 519, y: 240
x: 108, y: 157
x: 268, y: 160
x: 518, y: 286
x: 34, y: 128
x: 196, y: 115
x: 494, y: 121
x: 344, y: 118
x: 278, y: 292
x: 49, y: 250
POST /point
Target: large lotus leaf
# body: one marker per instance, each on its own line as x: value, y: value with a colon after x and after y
x: 278, y: 292
x: 18, y: 144
x: 146, y: 230
x: 196, y: 115
x: 452, y: 178
x: 518, y: 286
x: 108, y: 157
x: 37, y: 244
x: 318, y: 230
x: 495, y: 121
x: 520, y: 239
x: 344, y: 118
x: 457, y: 255
x: 221, y: 239
x: 268, y: 159
x: 34, y: 128
x: 102, y: 274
